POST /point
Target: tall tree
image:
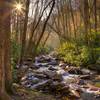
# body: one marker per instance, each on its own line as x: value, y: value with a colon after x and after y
x: 5, y: 68
x: 24, y: 31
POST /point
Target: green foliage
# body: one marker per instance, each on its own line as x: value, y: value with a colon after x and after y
x: 15, y: 75
x: 94, y: 38
x: 43, y: 50
x: 15, y: 53
x: 76, y: 55
x: 78, y: 52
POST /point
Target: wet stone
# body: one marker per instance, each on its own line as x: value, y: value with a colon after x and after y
x: 89, y: 96
x: 87, y: 71
x: 24, y: 82
x: 41, y: 85
x: 57, y: 86
x: 35, y: 66
x: 41, y: 76
x: 81, y: 82
x: 86, y: 77
x: 24, y: 78
x: 70, y: 78
x: 74, y: 70
x: 49, y: 73
x: 53, y: 62
x: 24, y: 66
x: 52, y: 68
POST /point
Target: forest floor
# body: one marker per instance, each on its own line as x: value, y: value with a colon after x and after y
x: 23, y: 94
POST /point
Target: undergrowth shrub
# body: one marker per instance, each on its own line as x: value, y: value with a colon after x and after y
x: 77, y: 55
x: 15, y: 53
x: 43, y: 50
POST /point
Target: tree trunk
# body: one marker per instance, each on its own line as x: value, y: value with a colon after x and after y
x: 5, y: 70
x: 24, y: 32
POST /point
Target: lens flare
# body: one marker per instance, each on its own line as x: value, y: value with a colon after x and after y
x: 18, y: 7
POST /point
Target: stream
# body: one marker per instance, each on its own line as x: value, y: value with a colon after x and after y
x: 50, y: 75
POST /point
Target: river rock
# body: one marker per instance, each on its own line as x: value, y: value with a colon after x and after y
x: 24, y: 78
x: 97, y: 77
x: 53, y: 75
x: 89, y: 96
x: 24, y: 66
x: 75, y: 93
x: 74, y: 70
x: 62, y: 64
x: 41, y: 85
x: 68, y: 78
x: 35, y: 80
x: 40, y: 75
x: 86, y: 77
x: 74, y: 86
x: 60, y: 71
x: 42, y: 70
x: 52, y: 62
x: 57, y: 86
x: 87, y: 71
x: 81, y: 82
x: 52, y: 68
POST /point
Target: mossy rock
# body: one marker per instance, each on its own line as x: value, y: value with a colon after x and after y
x: 95, y: 67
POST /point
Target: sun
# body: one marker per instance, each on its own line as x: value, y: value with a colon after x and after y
x: 18, y: 7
